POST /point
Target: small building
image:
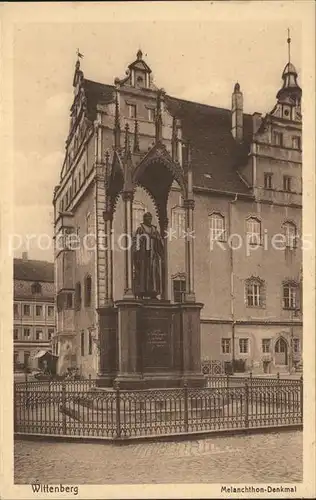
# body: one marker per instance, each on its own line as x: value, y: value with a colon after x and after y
x: 33, y: 310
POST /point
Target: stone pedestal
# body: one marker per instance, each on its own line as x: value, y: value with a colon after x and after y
x: 157, y: 344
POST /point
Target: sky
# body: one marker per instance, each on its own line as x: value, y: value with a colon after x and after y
x: 197, y: 60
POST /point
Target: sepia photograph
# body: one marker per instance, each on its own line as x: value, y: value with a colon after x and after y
x: 158, y: 250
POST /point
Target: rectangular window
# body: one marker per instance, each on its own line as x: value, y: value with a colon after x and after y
x: 50, y: 311
x: 226, y: 346
x: 16, y: 310
x: 50, y: 333
x: 15, y: 358
x: 15, y: 333
x: 178, y: 222
x: 289, y: 296
x: 26, y: 310
x: 27, y: 333
x: 287, y: 184
x: 254, y: 294
x: 253, y: 231
x: 39, y: 334
x: 82, y: 343
x: 69, y: 301
x: 132, y: 111
x: 39, y: 310
x: 90, y: 343
x: 278, y: 138
x: 268, y: 181
x: 27, y: 355
x: 217, y: 227
x: 179, y: 289
x: 243, y: 346
x: 290, y: 235
x: 296, y: 142
x: 296, y: 345
x: 266, y: 345
x: 151, y: 114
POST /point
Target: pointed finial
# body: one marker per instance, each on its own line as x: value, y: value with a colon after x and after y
x: 107, y: 157
x: 139, y: 55
x: 237, y: 87
x: 127, y: 145
x: 136, y: 138
x: 289, y: 43
x: 117, y: 111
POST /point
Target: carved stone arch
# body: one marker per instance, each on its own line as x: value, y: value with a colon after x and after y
x: 151, y: 196
x: 159, y: 157
x: 281, y: 349
x: 281, y: 335
x: 115, y: 183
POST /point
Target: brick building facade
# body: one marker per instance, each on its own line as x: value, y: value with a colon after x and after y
x: 247, y: 184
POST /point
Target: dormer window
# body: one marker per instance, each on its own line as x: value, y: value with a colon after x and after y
x: 132, y: 111
x: 36, y: 288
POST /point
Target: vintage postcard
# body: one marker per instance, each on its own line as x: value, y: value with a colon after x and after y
x: 157, y: 250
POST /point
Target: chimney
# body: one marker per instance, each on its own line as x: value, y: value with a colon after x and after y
x: 24, y: 255
x: 256, y: 122
x: 237, y: 113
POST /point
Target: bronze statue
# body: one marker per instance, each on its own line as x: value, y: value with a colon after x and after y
x: 147, y: 257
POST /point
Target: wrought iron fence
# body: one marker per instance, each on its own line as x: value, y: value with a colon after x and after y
x: 237, y: 381
x: 71, y: 410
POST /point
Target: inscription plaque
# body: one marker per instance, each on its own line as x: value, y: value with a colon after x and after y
x: 157, y: 344
x: 157, y: 338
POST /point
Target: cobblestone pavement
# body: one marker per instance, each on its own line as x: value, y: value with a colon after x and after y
x: 272, y: 457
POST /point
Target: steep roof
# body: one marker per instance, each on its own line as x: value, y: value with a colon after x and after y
x: 33, y: 270
x: 215, y: 153
x: 97, y: 93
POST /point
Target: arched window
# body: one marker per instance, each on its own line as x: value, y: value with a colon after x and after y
x: 255, y: 292
x: 290, y: 234
x: 217, y: 227
x: 138, y: 213
x: 253, y: 231
x: 87, y: 291
x: 78, y: 296
x: 290, y: 295
x: 36, y: 288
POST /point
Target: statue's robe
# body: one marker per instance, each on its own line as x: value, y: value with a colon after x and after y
x: 147, y: 255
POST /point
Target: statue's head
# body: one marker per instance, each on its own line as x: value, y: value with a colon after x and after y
x: 147, y: 219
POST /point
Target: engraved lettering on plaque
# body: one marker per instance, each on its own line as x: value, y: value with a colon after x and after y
x: 157, y: 338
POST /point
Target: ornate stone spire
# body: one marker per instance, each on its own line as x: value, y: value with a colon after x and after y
x: 127, y: 148
x: 136, y: 138
x: 290, y: 92
x: 117, y: 126
x: 158, y: 117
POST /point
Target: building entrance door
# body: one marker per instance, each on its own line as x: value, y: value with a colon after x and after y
x: 281, y: 354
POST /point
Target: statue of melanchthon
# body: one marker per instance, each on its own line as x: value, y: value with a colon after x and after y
x: 147, y: 257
